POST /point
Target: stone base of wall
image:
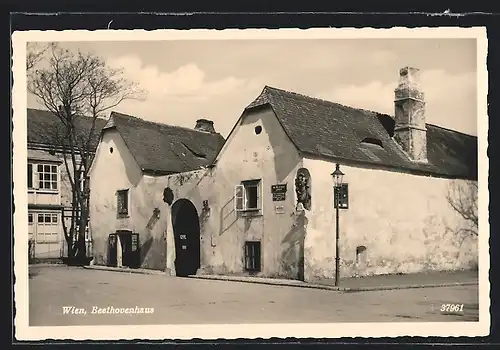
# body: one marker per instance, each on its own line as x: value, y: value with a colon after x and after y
x: 384, y: 266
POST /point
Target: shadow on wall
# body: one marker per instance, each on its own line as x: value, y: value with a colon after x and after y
x: 292, y: 256
x: 146, y: 246
x: 227, y: 216
x: 283, y: 166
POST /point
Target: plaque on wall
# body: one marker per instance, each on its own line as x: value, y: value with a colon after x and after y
x: 278, y: 197
x: 280, y: 188
x: 279, y: 192
x: 279, y: 209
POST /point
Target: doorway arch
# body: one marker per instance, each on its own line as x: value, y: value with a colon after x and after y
x: 186, y: 228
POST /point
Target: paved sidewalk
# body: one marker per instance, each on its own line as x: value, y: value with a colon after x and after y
x: 431, y: 278
x: 125, y: 269
x: 380, y: 282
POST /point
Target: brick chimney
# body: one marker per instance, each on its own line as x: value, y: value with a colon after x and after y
x: 205, y: 125
x: 409, y: 111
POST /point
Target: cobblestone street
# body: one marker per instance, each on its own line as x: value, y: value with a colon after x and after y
x: 190, y: 301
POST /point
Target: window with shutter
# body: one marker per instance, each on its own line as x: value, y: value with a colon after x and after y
x: 248, y: 196
x: 239, y: 196
x: 43, y: 176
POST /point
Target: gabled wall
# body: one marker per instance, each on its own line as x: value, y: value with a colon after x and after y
x: 117, y: 170
x: 404, y: 221
x: 269, y: 156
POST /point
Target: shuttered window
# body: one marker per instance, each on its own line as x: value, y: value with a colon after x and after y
x: 247, y: 196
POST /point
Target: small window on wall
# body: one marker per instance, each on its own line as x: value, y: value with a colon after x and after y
x: 30, y: 219
x: 252, y: 256
x: 247, y: 196
x: 122, y: 202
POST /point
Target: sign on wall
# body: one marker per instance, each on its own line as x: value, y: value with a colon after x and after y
x: 343, y: 196
x: 279, y: 192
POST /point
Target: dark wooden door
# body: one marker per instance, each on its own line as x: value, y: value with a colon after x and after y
x: 130, y: 250
x: 187, y: 254
x: 112, y: 253
x: 187, y: 238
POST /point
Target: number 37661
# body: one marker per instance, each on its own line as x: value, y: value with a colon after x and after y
x: 452, y: 307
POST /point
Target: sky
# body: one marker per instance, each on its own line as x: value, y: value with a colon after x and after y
x: 217, y: 79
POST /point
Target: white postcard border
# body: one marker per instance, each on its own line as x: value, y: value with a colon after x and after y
x: 210, y: 331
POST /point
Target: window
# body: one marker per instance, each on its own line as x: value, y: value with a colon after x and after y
x: 372, y: 141
x: 122, y: 202
x: 42, y: 176
x: 47, y: 228
x: 50, y: 219
x: 252, y: 256
x: 30, y: 218
x: 248, y: 196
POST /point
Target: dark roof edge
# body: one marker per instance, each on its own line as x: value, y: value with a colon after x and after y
x: 153, y: 172
x: 45, y: 206
x: 370, y: 165
x: 50, y: 147
x: 451, y: 130
x: 161, y: 124
x: 77, y: 115
x: 347, y: 106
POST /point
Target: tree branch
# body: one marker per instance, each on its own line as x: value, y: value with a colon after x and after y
x: 78, y: 88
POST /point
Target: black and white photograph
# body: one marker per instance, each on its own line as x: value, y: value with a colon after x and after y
x: 209, y: 184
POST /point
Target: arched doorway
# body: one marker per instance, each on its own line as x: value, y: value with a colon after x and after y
x: 186, y: 227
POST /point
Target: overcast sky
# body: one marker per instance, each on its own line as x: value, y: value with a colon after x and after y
x: 188, y: 80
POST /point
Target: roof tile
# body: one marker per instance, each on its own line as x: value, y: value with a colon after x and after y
x: 328, y: 129
x: 43, y: 127
x: 166, y: 148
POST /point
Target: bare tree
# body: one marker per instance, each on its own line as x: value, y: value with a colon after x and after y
x: 34, y: 54
x: 75, y: 86
x: 462, y: 197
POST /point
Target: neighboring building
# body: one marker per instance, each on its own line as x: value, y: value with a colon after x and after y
x: 49, y: 189
x: 266, y: 206
x: 126, y: 204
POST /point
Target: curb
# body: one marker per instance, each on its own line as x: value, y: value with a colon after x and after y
x: 332, y: 288
x: 126, y: 270
x: 47, y: 265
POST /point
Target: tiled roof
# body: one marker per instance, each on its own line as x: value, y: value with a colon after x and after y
x: 166, y: 148
x: 35, y: 154
x: 326, y: 129
x: 43, y: 127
